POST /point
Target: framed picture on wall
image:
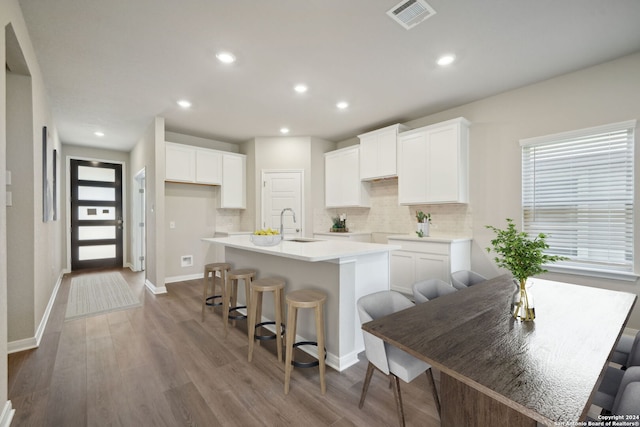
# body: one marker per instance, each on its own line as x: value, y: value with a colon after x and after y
x: 55, y: 184
x: 47, y: 190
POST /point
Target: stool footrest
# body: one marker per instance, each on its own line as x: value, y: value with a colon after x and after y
x: 237, y: 316
x: 307, y: 364
x: 270, y: 336
x: 213, y: 304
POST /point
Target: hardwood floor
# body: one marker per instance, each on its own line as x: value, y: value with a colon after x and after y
x: 158, y: 365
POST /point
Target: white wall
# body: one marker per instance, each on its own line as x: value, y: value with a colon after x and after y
x: 606, y: 93
x: 282, y: 153
x: 148, y: 153
x: 194, y: 211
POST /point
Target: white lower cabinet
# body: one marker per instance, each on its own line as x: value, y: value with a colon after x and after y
x: 426, y: 259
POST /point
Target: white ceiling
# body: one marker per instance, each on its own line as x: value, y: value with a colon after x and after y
x: 112, y: 65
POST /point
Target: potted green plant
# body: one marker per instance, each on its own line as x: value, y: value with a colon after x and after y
x: 524, y: 257
x: 339, y: 224
x: 424, y: 219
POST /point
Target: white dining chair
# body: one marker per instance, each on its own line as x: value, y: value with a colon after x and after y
x: 464, y: 278
x: 429, y: 289
x: 386, y: 358
x: 615, y: 381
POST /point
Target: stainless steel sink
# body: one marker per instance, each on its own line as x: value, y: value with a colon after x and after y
x: 302, y: 240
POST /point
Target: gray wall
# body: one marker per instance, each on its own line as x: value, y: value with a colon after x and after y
x: 20, y: 216
x: 42, y: 241
x: 148, y: 153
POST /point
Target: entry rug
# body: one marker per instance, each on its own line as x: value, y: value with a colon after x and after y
x: 95, y: 294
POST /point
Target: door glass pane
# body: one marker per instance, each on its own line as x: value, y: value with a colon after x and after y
x: 96, y: 252
x: 96, y: 193
x: 96, y: 212
x: 96, y: 174
x: 97, y: 233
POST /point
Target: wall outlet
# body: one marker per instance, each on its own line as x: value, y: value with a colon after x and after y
x: 186, y: 260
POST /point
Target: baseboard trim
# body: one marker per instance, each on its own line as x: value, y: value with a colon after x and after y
x: 156, y: 290
x: 183, y: 278
x: 22, y: 345
x: 34, y: 342
x: 7, y: 414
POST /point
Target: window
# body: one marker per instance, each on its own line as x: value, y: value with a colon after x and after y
x: 577, y: 188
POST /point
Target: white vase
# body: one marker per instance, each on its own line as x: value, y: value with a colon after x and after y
x: 424, y: 227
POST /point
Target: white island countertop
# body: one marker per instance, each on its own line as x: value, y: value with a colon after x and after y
x: 311, y: 250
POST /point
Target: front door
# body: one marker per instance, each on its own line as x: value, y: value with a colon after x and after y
x: 96, y: 214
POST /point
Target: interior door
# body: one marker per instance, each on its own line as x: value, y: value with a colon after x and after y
x: 96, y: 214
x: 281, y: 190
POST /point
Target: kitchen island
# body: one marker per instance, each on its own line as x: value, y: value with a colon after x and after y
x: 345, y: 271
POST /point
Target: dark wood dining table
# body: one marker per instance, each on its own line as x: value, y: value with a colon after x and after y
x: 497, y: 371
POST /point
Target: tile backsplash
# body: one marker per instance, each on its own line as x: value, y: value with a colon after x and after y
x: 386, y: 216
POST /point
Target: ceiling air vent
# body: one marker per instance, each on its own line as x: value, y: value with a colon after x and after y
x: 410, y: 13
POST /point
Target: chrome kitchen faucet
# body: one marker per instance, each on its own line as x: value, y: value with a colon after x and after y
x: 281, y: 224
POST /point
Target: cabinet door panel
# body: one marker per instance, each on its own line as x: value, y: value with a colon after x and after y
x: 402, y: 271
x: 443, y: 164
x: 342, y: 179
x: 332, y: 191
x: 368, y: 157
x: 180, y: 163
x: 350, y: 171
x: 430, y: 266
x: 412, y: 185
x: 233, y: 191
x: 208, y: 167
x: 387, y: 153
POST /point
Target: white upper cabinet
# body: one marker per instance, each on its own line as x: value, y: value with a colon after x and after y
x: 233, y: 194
x: 185, y: 163
x: 378, y: 152
x: 208, y: 166
x: 180, y: 163
x: 433, y: 164
x: 343, y: 187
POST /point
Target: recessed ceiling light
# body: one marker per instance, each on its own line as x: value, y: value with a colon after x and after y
x: 446, y: 60
x: 184, y: 103
x: 284, y: 130
x: 226, y: 57
x: 98, y: 133
x: 342, y: 105
x: 301, y: 88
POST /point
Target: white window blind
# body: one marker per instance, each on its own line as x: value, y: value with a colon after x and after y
x: 577, y: 188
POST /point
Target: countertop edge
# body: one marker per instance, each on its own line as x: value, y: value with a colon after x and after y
x: 445, y: 239
x: 362, y: 249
